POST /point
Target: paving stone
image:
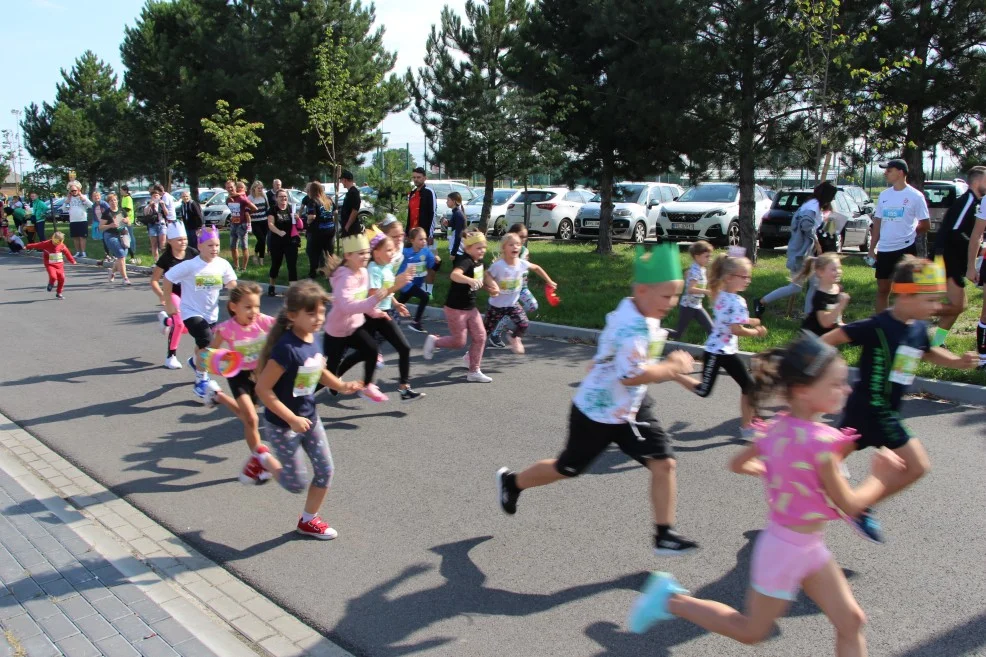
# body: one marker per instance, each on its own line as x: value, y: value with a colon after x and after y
x: 41, y: 608
x: 22, y: 626
x: 30, y: 557
x: 11, y: 571
x: 252, y: 627
x: 116, y: 646
x: 155, y: 647
x: 60, y: 558
x: 149, y: 611
x: 127, y: 592
x: 193, y: 648
x: 9, y: 607
x: 237, y: 590
x: 46, y: 542
x: 109, y: 575
x: 25, y: 589
x: 132, y: 628
x: 77, y: 573
x: 93, y: 590
x: 204, y: 591
x: 59, y: 588
x: 278, y: 646
x: 77, y: 646
x: 226, y: 608
x: 263, y: 609
x: 111, y: 608
x: 40, y: 646
x: 76, y: 607
x: 58, y: 627
x: 96, y: 627
x: 171, y: 631
x: 293, y: 629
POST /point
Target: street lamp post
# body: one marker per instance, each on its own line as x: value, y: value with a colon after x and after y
x: 18, y: 168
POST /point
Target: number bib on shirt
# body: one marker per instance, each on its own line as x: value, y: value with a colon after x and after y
x: 655, y: 348
x: 250, y: 348
x: 510, y: 284
x: 905, y: 365
x: 306, y: 380
x: 477, y: 273
x: 56, y: 257
x: 893, y: 214
x: 208, y: 282
x: 234, y: 213
x: 359, y: 295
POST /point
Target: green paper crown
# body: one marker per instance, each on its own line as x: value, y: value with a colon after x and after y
x: 658, y: 264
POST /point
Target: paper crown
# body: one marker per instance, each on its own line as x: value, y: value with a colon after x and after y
x: 474, y: 238
x: 176, y: 230
x: 355, y: 243
x: 658, y: 264
x: 208, y: 233
x: 374, y: 237
x: 930, y: 279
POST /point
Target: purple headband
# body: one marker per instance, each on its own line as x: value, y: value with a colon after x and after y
x: 209, y: 233
x: 376, y: 239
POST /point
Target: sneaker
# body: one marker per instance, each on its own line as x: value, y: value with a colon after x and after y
x: 206, y: 392
x: 164, y: 320
x: 77, y: 254
x: 747, y: 434
x: 516, y: 345
x: 190, y: 361
x: 373, y: 394
x: 651, y: 605
x: 507, y: 491
x: 408, y: 395
x: 416, y: 327
x: 84, y: 255
x: 428, y: 351
x: 316, y: 528
x: 50, y: 287
x: 478, y: 377
x: 112, y: 275
x: 496, y: 342
x: 759, y: 308
x: 172, y: 363
x: 126, y: 281
x: 60, y: 296
x: 381, y: 362
x: 867, y: 526
x: 271, y: 292
x: 253, y: 469
x: 133, y: 261
x: 673, y: 544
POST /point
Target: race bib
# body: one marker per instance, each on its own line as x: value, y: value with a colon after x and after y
x: 359, y: 295
x: 477, y: 273
x: 655, y: 348
x: 905, y: 365
x: 306, y: 379
x: 56, y: 257
x: 418, y: 269
x: 234, y: 212
x: 893, y: 214
x: 250, y: 348
x: 208, y: 282
x: 510, y: 284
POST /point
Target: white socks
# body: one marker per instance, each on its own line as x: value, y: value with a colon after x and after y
x: 307, y: 517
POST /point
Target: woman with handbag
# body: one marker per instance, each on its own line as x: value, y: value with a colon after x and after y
x: 284, y: 239
x: 113, y: 223
x: 319, y: 214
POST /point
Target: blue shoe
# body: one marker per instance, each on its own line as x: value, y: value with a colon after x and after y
x: 867, y: 526
x: 651, y: 605
x: 206, y: 392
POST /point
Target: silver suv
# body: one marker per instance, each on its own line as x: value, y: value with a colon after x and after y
x: 636, y: 207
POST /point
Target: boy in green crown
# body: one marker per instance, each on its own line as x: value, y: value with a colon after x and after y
x: 612, y: 404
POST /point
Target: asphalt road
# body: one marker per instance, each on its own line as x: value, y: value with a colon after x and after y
x: 425, y: 563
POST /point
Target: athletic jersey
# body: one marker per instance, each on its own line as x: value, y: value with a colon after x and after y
x: 694, y: 276
x: 956, y: 227
x: 899, y: 213
x: 460, y: 295
x: 510, y: 280
x: 423, y: 260
x: 303, y: 364
x: 201, y: 284
x: 382, y: 276
x: 727, y: 310
x: 247, y: 340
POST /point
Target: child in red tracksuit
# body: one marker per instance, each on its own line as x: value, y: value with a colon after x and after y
x: 55, y: 254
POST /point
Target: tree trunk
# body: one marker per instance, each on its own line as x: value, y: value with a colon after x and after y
x: 484, y: 217
x: 605, y: 242
x: 747, y: 136
x: 193, y: 184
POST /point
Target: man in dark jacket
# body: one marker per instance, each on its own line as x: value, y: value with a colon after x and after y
x: 190, y: 212
x: 422, y: 209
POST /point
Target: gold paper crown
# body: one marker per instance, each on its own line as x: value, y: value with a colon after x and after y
x: 930, y: 279
x: 355, y: 243
x: 475, y: 238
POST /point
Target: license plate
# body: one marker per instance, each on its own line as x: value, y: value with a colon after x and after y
x: 592, y: 224
x: 785, y: 229
x: 681, y: 226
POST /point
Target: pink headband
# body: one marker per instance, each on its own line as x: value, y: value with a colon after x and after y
x: 209, y: 233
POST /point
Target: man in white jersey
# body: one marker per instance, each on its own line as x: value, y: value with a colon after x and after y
x: 977, y: 274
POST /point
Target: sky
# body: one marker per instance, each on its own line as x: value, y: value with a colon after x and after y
x: 98, y: 25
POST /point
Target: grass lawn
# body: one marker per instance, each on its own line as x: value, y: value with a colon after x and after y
x: 590, y: 286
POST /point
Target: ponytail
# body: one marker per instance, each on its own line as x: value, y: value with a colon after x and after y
x: 766, y: 370
x: 722, y: 267
x: 807, y: 269
x: 332, y: 262
x: 280, y: 327
x: 800, y: 362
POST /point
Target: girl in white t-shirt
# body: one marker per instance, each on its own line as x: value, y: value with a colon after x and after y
x: 509, y: 272
x: 728, y: 276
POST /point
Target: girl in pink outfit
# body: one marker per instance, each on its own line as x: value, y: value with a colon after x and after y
x: 798, y: 458
x: 344, y: 322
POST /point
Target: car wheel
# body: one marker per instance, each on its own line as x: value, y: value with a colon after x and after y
x: 639, y: 232
x: 500, y: 226
x: 865, y: 246
x: 565, y: 231
x: 733, y: 234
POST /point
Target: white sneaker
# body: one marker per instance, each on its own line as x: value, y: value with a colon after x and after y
x: 465, y: 360
x: 162, y: 317
x: 172, y: 363
x: 428, y: 351
x: 478, y: 377
x: 84, y: 255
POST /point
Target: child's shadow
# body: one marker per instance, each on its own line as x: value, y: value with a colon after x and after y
x: 730, y: 589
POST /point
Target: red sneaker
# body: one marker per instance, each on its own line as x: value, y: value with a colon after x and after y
x: 253, y: 470
x: 317, y: 528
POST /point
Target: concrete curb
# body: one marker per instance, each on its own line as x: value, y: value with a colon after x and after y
x: 229, y: 617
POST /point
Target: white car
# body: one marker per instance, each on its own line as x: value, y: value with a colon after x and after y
x: 498, y: 211
x: 442, y: 189
x: 552, y: 210
x: 636, y: 206
x: 709, y: 211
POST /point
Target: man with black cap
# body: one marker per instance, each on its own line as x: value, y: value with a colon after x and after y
x: 901, y: 213
x: 349, y: 217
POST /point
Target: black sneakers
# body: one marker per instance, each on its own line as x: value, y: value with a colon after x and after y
x: 507, y: 491
x: 673, y: 544
x: 416, y: 327
x: 759, y: 308
x: 497, y: 342
x: 408, y: 395
x: 271, y: 292
x: 50, y: 286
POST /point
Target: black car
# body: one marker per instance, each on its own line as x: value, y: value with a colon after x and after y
x: 775, y: 227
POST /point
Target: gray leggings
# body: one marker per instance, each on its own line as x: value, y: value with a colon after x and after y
x: 285, y: 442
x: 792, y: 289
x: 686, y: 315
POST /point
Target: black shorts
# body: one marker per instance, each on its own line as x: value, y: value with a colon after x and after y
x: 734, y: 367
x: 243, y: 384
x: 877, y: 428
x: 200, y: 330
x: 955, y: 266
x: 887, y: 261
x: 78, y: 229
x: 587, y: 439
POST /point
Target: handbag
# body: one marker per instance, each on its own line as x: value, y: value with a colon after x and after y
x: 124, y: 238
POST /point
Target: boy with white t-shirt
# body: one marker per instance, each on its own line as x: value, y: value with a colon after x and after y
x: 202, y: 279
x: 509, y: 273
x: 901, y: 213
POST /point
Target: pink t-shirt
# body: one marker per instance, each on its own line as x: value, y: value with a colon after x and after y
x: 792, y: 450
x: 248, y: 340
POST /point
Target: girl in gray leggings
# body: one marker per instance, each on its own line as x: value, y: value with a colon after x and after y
x: 696, y: 287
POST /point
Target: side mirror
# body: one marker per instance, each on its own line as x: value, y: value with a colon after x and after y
x: 675, y: 198
x: 653, y: 203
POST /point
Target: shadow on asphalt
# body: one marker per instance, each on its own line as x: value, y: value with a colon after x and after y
x: 120, y: 367
x: 961, y: 640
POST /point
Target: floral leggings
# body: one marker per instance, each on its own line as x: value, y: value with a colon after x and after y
x: 496, y: 316
x: 527, y: 302
x: 286, y: 442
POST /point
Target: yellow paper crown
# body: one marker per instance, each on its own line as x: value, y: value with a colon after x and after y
x: 930, y: 279
x: 475, y: 238
x: 355, y: 243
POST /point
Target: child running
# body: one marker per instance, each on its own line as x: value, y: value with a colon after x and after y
x: 612, y: 404
x: 696, y: 287
x: 245, y: 332
x: 463, y: 318
x: 291, y: 365
x: 175, y: 251
x: 202, y: 279
x: 527, y: 300
x: 509, y: 273
x: 827, y: 300
x: 420, y: 260
x: 730, y: 275
x: 894, y: 342
x: 798, y: 458
x: 55, y: 253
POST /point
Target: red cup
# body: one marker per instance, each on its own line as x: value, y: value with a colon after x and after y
x: 549, y: 293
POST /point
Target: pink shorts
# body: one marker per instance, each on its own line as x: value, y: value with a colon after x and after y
x: 783, y: 558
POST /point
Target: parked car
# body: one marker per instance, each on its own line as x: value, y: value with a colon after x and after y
x: 552, y: 210
x: 498, y: 223
x: 861, y: 197
x: 709, y: 211
x: 636, y: 206
x: 775, y: 226
x: 215, y: 212
x: 442, y: 189
x: 941, y: 194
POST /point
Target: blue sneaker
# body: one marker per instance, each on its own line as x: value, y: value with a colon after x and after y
x: 651, y: 605
x: 206, y: 392
x: 867, y: 526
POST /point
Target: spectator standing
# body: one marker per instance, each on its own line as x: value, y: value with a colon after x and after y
x: 422, y: 210
x: 155, y: 218
x: 127, y: 205
x: 284, y: 239
x: 318, y: 211
x: 258, y: 220
x: 40, y: 209
x: 275, y: 187
x: 349, y: 217
x: 112, y: 222
x: 78, y: 221
x: 239, y: 209
x: 191, y: 215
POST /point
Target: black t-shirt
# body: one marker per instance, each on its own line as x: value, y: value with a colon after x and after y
x: 350, y: 202
x: 283, y: 219
x: 110, y: 215
x: 167, y: 261
x: 891, y: 351
x: 324, y: 218
x: 820, y: 302
x: 460, y: 295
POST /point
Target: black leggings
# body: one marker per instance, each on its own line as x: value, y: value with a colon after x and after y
x: 390, y: 331
x: 364, y: 346
x: 319, y: 241
x: 260, y: 230
x: 279, y: 251
x: 416, y: 293
x: 734, y: 367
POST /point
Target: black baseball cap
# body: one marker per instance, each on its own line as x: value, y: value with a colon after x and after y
x: 896, y: 163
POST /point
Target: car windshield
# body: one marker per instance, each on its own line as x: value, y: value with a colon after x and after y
x: 624, y: 194
x: 206, y: 195
x: 791, y: 200
x: 218, y: 199
x: 499, y: 197
x: 939, y: 196
x: 710, y: 194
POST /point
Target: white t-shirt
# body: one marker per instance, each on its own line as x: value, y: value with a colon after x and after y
x: 982, y: 210
x: 899, y: 214
x: 201, y: 283
x: 169, y: 207
x: 728, y: 309
x: 510, y: 280
x: 77, y: 206
x: 694, y: 276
